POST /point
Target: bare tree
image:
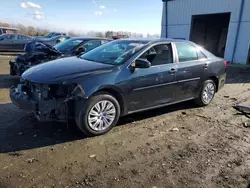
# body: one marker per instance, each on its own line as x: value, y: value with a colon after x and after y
x: 99, y: 34
x: 22, y: 29
x: 109, y: 34
x: 31, y: 31
x: 4, y: 24
x: 73, y: 34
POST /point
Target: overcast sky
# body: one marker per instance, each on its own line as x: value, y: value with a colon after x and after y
x: 143, y: 16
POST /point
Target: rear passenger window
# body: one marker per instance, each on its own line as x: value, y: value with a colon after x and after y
x: 186, y: 52
x: 9, y: 37
x: 159, y: 55
x: 201, y: 55
x: 20, y: 37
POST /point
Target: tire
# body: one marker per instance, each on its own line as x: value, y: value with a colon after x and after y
x: 201, y: 99
x: 12, y: 72
x: 84, y: 117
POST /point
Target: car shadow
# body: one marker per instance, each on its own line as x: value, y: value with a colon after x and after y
x: 20, y: 131
x: 236, y: 75
x: 157, y: 112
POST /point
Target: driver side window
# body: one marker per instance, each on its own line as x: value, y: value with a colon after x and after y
x: 159, y: 55
x: 9, y: 37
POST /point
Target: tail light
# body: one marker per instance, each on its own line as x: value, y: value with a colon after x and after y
x: 225, y: 64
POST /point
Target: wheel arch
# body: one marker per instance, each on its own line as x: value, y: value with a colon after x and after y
x: 116, y: 93
x: 215, y: 79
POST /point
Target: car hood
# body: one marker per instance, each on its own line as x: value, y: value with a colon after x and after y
x: 64, y: 69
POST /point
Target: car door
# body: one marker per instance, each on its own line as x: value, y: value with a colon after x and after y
x: 153, y: 86
x: 7, y: 42
x: 20, y: 42
x: 190, y: 72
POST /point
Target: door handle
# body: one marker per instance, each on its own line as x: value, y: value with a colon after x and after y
x: 205, y: 65
x: 173, y: 70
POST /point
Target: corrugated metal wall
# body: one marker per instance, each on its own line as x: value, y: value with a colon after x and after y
x: 180, y: 15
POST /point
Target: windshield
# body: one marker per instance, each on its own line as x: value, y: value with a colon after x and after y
x: 115, y: 52
x: 54, y: 38
x: 68, y: 45
x: 50, y: 34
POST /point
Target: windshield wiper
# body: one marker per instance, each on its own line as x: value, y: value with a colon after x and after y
x: 87, y: 59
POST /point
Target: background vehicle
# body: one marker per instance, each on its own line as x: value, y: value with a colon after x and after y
x: 49, y: 35
x: 119, y: 78
x: 8, y: 30
x: 78, y: 45
x: 39, y: 52
x: 13, y: 42
x: 35, y: 53
x: 53, y: 40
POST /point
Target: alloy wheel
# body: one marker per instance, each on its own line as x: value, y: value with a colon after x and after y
x: 101, y: 115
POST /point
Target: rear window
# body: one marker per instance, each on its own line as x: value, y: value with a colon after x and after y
x: 201, y: 54
x: 8, y: 37
x: 186, y: 52
x: 205, y: 52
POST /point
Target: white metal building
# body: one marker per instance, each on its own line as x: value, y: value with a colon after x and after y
x: 221, y: 26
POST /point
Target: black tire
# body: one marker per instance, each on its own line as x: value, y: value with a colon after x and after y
x: 199, y: 100
x: 82, y: 115
x: 12, y: 71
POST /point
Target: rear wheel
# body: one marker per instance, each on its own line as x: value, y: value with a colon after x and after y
x: 207, y: 93
x: 99, y: 115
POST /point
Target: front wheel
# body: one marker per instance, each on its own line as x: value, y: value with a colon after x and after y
x: 207, y: 93
x: 99, y: 115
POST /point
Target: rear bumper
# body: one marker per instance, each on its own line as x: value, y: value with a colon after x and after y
x: 222, y: 80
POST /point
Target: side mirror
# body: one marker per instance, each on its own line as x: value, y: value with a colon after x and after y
x: 58, y: 41
x: 141, y: 63
x: 80, y: 50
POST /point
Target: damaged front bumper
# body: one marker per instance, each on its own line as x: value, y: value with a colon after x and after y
x: 48, y: 102
x: 21, y: 99
x: 44, y: 110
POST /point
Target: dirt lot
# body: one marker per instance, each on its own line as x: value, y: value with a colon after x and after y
x: 177, y: 146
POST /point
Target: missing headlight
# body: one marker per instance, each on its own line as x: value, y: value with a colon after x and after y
x: 79, y: 92
x: 59, y: 90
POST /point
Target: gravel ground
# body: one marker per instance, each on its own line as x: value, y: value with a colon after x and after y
x: 177, y: 146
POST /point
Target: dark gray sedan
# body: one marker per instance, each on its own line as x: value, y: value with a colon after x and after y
x: 118, y: 78
x: 13, y: 42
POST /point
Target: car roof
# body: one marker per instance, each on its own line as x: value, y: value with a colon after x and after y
x: 8, y: 34
x: 89, y: 38
x: 14, y: 34
x: 155, y: 40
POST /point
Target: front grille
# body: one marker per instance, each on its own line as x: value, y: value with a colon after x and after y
x: 59, y: 91
x: 37, y: 91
